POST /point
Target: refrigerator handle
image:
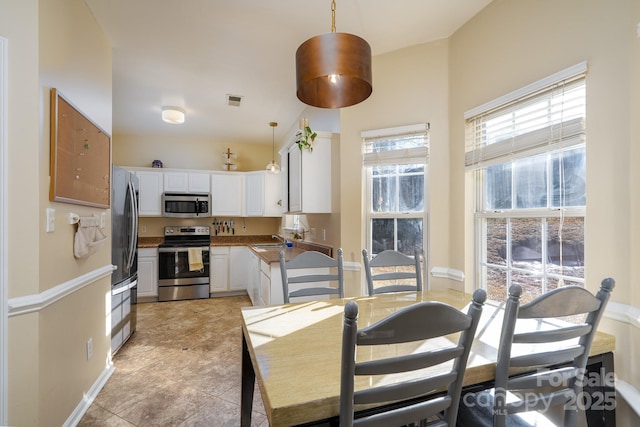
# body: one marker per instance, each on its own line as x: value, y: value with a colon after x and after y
x: 134, y: 224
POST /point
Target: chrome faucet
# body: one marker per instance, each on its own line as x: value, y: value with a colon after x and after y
x: 279, y: 238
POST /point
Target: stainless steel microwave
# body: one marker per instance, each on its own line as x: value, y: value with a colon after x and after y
x: 186, y: 205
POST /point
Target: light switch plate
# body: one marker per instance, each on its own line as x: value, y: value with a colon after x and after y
x: 50, y: 220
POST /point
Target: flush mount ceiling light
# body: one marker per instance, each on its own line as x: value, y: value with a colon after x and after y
x: 173, y: 115
x: 333, y: 70
x: 273, y: 167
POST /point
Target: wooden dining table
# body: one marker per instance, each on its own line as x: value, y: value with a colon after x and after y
x: 293, y: 350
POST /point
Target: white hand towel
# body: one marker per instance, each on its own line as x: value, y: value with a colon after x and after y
x: 89, y: 239
x: 195, y: 259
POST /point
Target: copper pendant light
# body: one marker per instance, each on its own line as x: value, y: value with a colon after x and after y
x: 333, y: 70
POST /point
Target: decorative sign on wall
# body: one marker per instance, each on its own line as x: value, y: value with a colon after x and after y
x: 80, y: 165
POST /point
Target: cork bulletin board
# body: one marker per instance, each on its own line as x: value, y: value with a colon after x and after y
x: 80, y: 157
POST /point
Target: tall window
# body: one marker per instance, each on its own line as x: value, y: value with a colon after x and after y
x: 527, y: 154
x: 396, y: 166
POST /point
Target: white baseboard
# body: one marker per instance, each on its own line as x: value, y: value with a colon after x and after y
x: 630, y: 394
x: 623, y: 312
x: 448, y: 273
x: 351, y: 266
x: 89, y: 397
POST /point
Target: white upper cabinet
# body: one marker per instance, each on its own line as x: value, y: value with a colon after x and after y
x: 295, y: 179
x: 187, y: 182
x: 262, y: 194
x: 227, y: 193
x: 150, y: 193
x: 308, y: 176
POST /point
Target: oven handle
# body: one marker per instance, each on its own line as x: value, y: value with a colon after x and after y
x: 174, y: 250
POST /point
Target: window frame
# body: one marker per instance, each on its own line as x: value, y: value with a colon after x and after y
x: 478, y: 167
x: 403, y: 156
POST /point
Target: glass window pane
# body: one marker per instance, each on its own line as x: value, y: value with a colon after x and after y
x: 526, y: 243
x: 409, y: 235
x: 531, y: 285
x: 384, y: 194
x: 565, y: 246
x: 411, y: 193
x: 530, y: 180
x: 496, y: 284
x: 383, y: 170
x: 382, y: 234
x: 396, y: 143
x: 496, y: 252
x: 569, y: 178
x: 498, y: 187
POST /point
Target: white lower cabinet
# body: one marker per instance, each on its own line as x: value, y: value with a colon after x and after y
x: 269, y: 285
x: 228, y: 268
x: 219, y: 269
x: 147, y: 272
x: 238, y: 272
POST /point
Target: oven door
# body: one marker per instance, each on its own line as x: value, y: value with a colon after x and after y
x: 173, y: 267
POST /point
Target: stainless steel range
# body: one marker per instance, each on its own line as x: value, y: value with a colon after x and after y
x: 183, y: 263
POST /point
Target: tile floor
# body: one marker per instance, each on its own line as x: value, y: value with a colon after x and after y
x: 182, y: 367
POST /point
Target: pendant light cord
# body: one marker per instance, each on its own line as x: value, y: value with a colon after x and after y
x: 273, y: 141
x: 333, y: 16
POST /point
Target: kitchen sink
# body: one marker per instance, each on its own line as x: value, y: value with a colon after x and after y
x: 268, y: 245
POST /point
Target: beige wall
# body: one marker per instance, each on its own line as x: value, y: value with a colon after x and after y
x: 52, y: 43
x: 189, y: 153
x: 154, y: 227
x: 410, y: 86
x: 19, y: 25
x: 513, y: 43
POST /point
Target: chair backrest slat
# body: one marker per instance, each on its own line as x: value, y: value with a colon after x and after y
x: 410, y: 362
x: 403, y: 391
x: 547, y: 358
x: 408, y: 325
x: 552, y: 335
x: 567, y: 301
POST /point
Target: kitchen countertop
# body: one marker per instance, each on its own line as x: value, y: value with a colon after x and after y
x: 269, y: 255
x: 149, y: 242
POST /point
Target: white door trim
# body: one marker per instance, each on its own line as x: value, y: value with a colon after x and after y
x: 4, y: 264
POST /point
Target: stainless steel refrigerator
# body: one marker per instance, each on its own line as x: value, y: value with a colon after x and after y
x: 124, y: 255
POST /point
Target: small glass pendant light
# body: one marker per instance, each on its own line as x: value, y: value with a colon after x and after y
x: 273, y: 167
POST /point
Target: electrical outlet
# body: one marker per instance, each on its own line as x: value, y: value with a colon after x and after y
x: 89, y: 348
x: 312, y: 233
x: 50, y: 220
x: 324, y: 234
x: 103, y: 220
x: 143, y: 229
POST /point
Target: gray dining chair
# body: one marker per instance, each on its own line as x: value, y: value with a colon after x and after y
x: 320, y: 275
x: 424, y: 324
x: 553, y: 391
x: 392, y: 270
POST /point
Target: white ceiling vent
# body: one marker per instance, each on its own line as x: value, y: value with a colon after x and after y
x: 234, y: 100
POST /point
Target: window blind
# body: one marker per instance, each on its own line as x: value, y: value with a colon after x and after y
x: 549, y: 118
x: 396, y: 146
